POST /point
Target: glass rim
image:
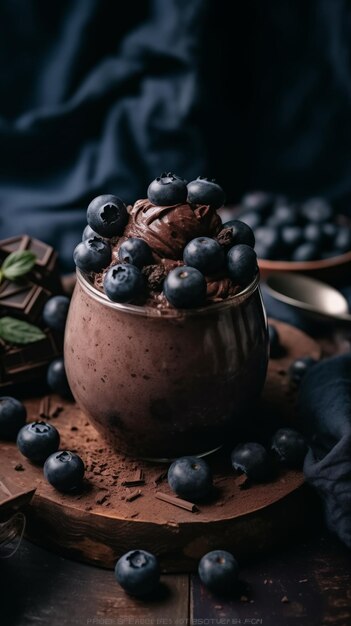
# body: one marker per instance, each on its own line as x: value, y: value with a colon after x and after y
x: 148, y: 311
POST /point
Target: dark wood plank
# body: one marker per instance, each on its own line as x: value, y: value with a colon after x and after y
x: 308, y: 585
x: 39, y: 587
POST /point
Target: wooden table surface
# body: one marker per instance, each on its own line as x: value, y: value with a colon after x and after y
x: 306, y: 584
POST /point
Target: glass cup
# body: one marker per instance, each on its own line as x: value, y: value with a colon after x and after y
x: 162, y: 384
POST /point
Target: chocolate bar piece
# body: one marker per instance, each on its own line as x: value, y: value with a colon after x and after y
x: 22, y: 299
x: 25, y: 299
x: 13, y: 497
x: 45, y: 271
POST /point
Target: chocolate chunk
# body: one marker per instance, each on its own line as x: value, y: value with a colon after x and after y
x: 155, y: 275
x: 225, y: 237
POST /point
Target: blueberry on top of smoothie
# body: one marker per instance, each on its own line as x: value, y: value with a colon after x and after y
x: 107, y: 215
x: 167, y: 189
x: 135, y: 251
x: 185, y: 287
x: 205, y: 191
x: 92, y: 255
x: 124, y: 282
x: 205, y: 254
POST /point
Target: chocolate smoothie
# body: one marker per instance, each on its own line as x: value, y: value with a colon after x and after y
x: 159, y: 382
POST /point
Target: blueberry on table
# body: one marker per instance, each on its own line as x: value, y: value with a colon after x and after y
x: 92, y: 255
x: 306, y: 252
x: 88, y: 233
x: 290, y: 447
x: 57, y: 379
x: 205, y: 254
x: 37, y: 441
x: 135, y: 251
x: 55, y: 312
x: 124, y: 283
x: 107, y: 215
x: 253, y: 460
x: 242, y: 264
x: 299, y: 368
x: 218, y: 571
x: 190, y: 478
x: 205, y: 191
x: 185, y: 287
x: 274, y: 342
x: 167, y: 189
x: 64, y: 470
x: 316, y: 210
x: 138, y: 572
x: 241, y: 232
x: 12, y: 417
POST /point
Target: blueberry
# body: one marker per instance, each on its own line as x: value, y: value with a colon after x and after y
x: 167, y: 189
x: 92, y: 255
x: 283, y: 215
x: 185, y: 287
x: 305, y: 252
x: 315, y: 233
x: 190, y: 478
x: 299, y: 368
x: 138, y: 572
x: 342, y: 241
x: 258, y: 201
x: 135, y: 251
x: 241, y: 232
x: 55, y: 312
x: 89, y: 233
x: 274, y: 342
x: 251, y: 218
x: 205, y: 254
x: 124, y: 283
x: 37, y: 441
x: 107, y: 215
x: 268, y: 242
x: 291, y: 236
x: 252, y: 459
x: 218, y: 571
x: 316, y: 210
x: 12, y: 417
x: 64, y: 470
x: 57, y: 379
x: 290, y: 446
x: 205, y: 191
x: 242, y: 264
x: 329, y: 230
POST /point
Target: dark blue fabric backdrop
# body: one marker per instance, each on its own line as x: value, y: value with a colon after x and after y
x: 96, y: 97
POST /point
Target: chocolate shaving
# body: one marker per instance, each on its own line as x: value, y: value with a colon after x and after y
x: 160, y: 478
x: 137, y: 481
x: 44, y: 409
x: 182, y: 504
x: 133, y: 496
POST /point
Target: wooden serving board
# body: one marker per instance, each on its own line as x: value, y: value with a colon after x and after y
x: 100, y: 523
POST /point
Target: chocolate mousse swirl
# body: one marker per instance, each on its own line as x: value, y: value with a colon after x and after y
x: 167, y: 229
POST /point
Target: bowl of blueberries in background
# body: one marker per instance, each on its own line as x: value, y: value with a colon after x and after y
x: 308, y: 236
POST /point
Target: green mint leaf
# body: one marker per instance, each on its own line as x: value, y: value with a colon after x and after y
x: 19, y: 332
x: 18, y: 264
